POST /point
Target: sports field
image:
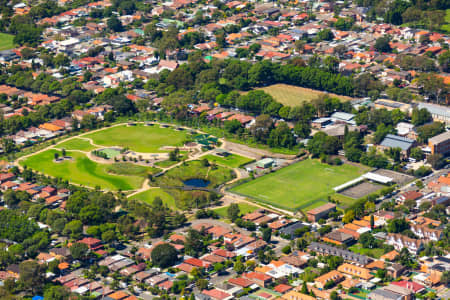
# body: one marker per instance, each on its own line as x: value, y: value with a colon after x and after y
x: 150, y: 195
x: 232, y: 161
x: 303, y: 185
x: 293, y: 95
x: 76, y: 144
x: 82, y: 170
x: 140, y: 138
x: 6, y: 41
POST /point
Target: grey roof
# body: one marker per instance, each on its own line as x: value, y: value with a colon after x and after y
x: 440, y: 138
x: 435, y: 109
x: 347, y: 255
x: 342, y: 116
x: 289, y: 230
x: 384, y: 294
x: 395, y: 141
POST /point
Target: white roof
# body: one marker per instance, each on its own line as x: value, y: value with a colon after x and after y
x: 377, y: 177
x: 347, y: 184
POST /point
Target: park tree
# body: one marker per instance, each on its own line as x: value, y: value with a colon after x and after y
x: 233, y: 211
x: 164, y: 255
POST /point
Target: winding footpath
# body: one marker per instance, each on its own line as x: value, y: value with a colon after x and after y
x: 234, y: 148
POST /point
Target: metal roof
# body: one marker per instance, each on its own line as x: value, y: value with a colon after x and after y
x: 395, y: 141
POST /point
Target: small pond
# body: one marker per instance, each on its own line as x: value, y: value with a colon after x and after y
x: 197, y: 182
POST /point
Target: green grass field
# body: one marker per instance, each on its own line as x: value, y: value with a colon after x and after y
x: 245, y: 208
x: 232, y: 161
x: 375, y: 252
x: 124, y: 168
x: 76, y: 144
x: 6, y: 41
x: 81, y: 170
x: 150, y: 195
x: 303, y: 185
x: 140, y: 138
x: 293, y: 95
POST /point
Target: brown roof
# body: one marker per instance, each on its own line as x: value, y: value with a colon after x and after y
x: 322, y: 208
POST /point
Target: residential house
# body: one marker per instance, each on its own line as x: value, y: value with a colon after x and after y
x: 332, y: 276
x: 357, y: 271
x: 400, y: 241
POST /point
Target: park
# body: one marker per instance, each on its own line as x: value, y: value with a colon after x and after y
x: 84, y: 168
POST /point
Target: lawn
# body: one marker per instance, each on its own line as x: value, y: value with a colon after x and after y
x: 303, y: 185
x: 81, y: 170
x: 375, y: 252
x: 293, y: 95
x: 124, y: 168
x: 76, y: 144
x: 139, y: 138
x: 150, y: 195
x: 245, y: 208
x: 194, y: 170
x: 6, y: 41
x: 232, y: 161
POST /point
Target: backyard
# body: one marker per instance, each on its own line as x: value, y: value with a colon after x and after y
x: 6, y: 41
x: 303, y: 185
x: 293, y: 95
x: 139, y: 138
x: 81, y: 170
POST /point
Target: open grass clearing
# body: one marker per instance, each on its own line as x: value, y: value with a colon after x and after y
x: 245, y: 208
x: 219, y: 132
x: 231, y: 161
x: 81, y: 170
x: 149, y: 195
x: 194, y: 170
x: 375, y: 252
x: 139, y: 138
x: 6, y: 41
x: 76, y: 144
x: 291, y: 95
x: 124, y: 168
x: 303, y: 185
